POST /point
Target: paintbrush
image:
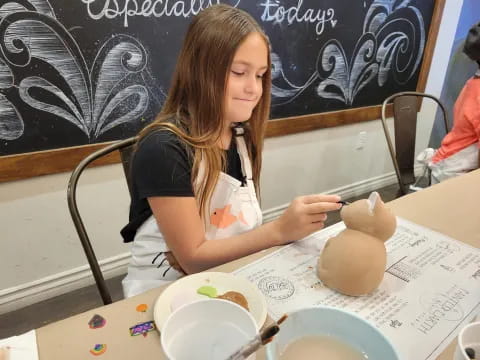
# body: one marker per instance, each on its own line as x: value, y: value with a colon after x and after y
x: 261, y: 339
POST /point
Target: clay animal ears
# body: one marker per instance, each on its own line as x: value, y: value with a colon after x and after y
x: 373, y: 199
x: 370, y: 216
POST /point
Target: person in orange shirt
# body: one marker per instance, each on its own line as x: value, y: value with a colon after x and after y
x: 459, y: 152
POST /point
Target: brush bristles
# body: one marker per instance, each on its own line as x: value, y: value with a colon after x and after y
x: 269, y: 333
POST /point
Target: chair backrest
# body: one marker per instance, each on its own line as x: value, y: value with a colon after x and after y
x: 126, y: 153
x: 126, y: 150
x: 405, y: 113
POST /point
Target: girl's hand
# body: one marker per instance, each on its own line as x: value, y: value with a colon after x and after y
x: 305, y: 215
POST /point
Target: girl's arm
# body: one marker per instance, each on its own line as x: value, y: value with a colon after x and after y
x: 179, y: 221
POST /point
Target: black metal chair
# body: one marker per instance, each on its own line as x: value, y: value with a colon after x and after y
x: 405, y: 113
x: 125, y: 147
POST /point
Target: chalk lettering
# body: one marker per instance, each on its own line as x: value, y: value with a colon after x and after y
x: 273, y: 12
x: 127, y: 9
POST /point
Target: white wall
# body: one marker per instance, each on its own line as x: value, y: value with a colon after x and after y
x: 41, y: 256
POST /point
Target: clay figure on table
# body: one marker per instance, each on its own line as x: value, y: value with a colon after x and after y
x: 353, y: 262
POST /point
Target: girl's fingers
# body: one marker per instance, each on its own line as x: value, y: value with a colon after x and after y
x: 322, y: 207
x: 316, y: 226
x: 317, y: 218
x: 320, y: 198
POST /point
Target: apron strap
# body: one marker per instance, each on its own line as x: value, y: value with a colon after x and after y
x: 243, y: 152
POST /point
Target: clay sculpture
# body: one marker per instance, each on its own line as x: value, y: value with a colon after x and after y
x: 353, y: 262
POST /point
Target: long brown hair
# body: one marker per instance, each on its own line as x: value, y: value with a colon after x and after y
x: 194, y: 108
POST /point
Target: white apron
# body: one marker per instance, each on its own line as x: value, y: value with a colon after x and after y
x: 233, y: 209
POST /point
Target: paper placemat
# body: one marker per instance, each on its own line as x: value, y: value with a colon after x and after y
x: 430, y: 290
x: 21, y: 347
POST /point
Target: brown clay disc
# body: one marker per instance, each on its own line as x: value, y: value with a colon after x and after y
x: 235, y: 297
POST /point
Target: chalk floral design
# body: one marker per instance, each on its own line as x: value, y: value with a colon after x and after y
x: 381, y: 51
x: 96, y: 99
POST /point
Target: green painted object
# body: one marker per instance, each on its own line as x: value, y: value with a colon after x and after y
x: 209, y: 291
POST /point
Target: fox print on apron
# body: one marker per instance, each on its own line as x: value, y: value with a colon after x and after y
x: 233, y: 209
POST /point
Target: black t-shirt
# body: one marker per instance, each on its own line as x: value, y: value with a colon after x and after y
x: 161, y: 166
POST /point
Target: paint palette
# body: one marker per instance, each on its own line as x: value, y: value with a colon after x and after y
x: 185, y: 289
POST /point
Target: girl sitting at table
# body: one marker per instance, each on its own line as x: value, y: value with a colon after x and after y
x: 196, y: 169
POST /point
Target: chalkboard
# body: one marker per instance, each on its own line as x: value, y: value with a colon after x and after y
x: 79, y: 72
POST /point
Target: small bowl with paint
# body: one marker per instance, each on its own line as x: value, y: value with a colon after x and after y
x: 323, y: 332
x: 205, y: 285
x: 210, y: 329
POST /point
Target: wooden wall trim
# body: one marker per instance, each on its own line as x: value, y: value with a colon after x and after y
x: 325, y: 120
x: 22, y: 166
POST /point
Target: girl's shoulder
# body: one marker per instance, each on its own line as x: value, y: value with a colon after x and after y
x: 164, y: 141
x: 159, y: 138
x: 161, y: 146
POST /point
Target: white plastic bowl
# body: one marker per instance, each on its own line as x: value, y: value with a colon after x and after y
x: 210, y: 329
x: 469, y: 337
